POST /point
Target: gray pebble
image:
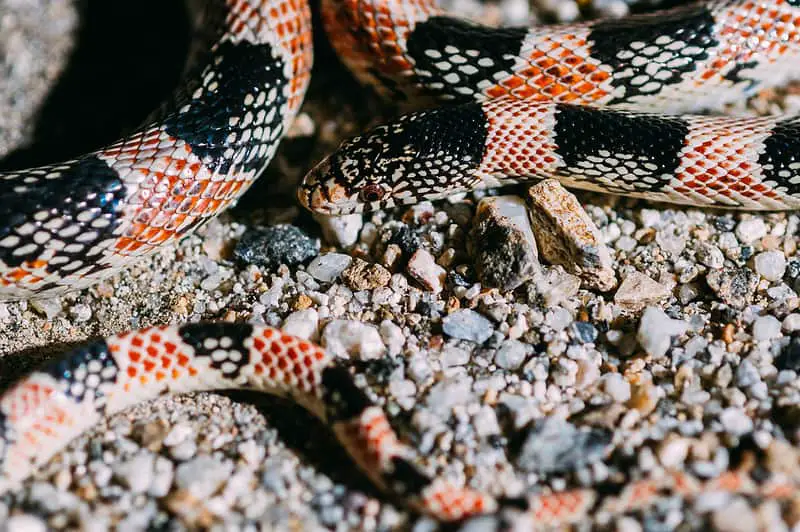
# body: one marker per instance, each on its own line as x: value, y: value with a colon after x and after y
x: 466, y: 324
x: 137, y: 473
x: 710, y: 256
x: 202, y: 476
x: 554, y: 445
x: 511, y: 354
x: 328, y: 267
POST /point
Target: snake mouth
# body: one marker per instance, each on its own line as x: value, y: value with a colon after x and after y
x: 321, y: 192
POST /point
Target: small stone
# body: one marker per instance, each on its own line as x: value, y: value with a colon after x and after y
x: 453, y: 357
x: 735, y: 517
x: 766, y: 328
x: 341, y: 231
x: 49, y: 308
x: 391, y: 257
x: 791, y: 323
x: 346, y: 338
x: 423, y: 268
x: 554, y: 445
x: 734, y: 286
x: 511, y: 355
x: 485, y: 422
x: 747, y: 374
x: 656, y: 331
x: 302, y: 324
x: 584, y: 332
x: 326, y: 268
x: 153, y: 435
x: 750, y: 230
x: 567, y: 236
x: 503, y: 243
x: 178, y: 434
x: 162, y: 477
x: 771, y: 265
x: 402, y: 388
x: 789, y: 358
x: 393, y: 336
x: 269, y: 247
x: 202, y: 476
x: 735, y: 421
x: 617, y: 387
x: 645, y: 397
x: 137, y: 473
x: 467, y: 324
x: 710, y: 256
x: 444, y: 395
x: 558, y: 318
x: 25, y: 523
x: 81, y: 313
x: 638, y: 291
x: 361, y: 275
x: 672, y: 452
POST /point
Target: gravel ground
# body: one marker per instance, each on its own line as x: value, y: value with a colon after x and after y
x: 676, y: 346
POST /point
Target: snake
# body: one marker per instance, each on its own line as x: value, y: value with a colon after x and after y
x: 597, y: 105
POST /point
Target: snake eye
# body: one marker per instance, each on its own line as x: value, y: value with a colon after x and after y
x: 372, y: 193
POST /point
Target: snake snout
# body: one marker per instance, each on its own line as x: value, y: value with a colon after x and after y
x: 320, y: 191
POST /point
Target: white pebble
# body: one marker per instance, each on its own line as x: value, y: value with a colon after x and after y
x: 750, y: 230
x: 791, y: 323
x: 25, y: 523
x: 735, y: 517
x: 453, y: 356
x: 346, y: 338
x: 302, y: 324
x: 510, y: 355
x: 735, y: 421
x: 422, y: 267
x: 177, y: 435
x: 402, y: 388
x: 656, y: 331
x: 341, y: 230
x: 393, y: 337
x: 771, y: 265
x: 617, y: 387
x: 672, y: 452
x: 766, y: 328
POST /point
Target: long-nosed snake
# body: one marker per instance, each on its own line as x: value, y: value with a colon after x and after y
x: 66, y: 226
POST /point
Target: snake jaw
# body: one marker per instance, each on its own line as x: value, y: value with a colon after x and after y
x: 322, y: 193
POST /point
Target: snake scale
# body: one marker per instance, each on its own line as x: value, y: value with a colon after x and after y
x: 577, y: 102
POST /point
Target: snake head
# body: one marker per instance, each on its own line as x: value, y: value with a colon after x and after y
x: 423, y: 155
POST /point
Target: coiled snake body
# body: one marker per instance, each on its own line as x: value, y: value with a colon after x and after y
x: 528, y: 109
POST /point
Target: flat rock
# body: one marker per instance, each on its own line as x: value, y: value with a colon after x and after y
x: 568, y: 237
x: 638, y: 290
x: 503, y: 243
